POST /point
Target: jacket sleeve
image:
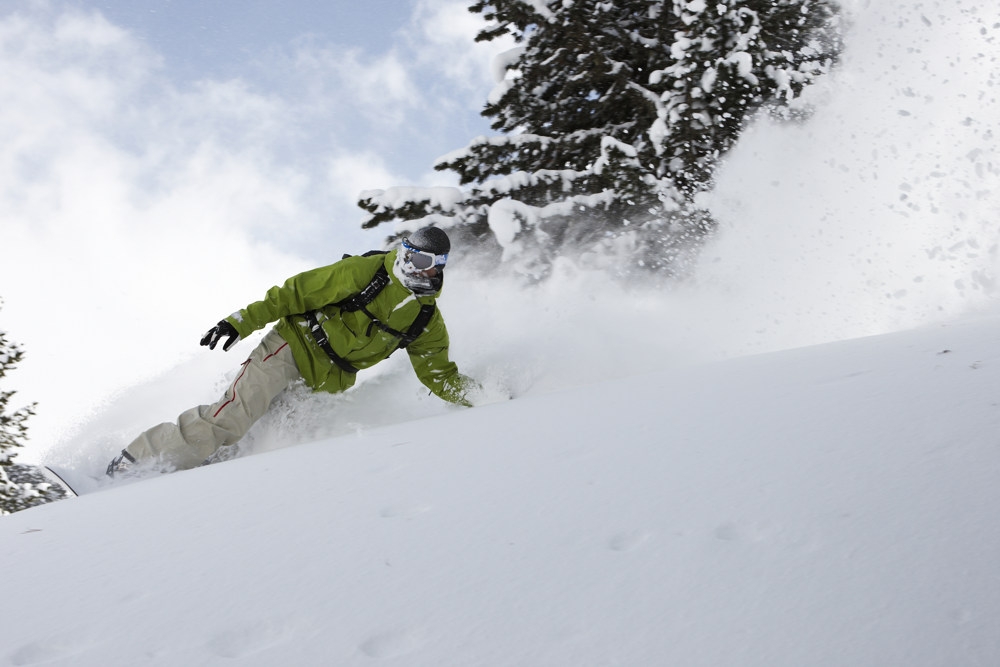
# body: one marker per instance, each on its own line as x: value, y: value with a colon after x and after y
x: 429, y: 356
x: 301, y: 293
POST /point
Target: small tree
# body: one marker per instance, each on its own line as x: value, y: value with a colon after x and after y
x: 614, y: 115
x: 17, y: 491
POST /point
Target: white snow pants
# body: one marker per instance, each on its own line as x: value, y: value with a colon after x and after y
x: 200, y: 431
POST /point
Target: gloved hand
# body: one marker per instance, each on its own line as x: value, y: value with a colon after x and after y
x: 218, y: 332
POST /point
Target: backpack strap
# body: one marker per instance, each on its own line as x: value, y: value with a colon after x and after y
x: 360, y: 302
x: 412, y: 333
x: 378, y: 283
x: 419, y: 324
x: 319, y: 335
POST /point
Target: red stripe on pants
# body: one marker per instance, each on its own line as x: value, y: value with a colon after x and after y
x: 246, y: 364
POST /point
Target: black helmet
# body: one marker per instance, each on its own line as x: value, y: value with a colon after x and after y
x: 429, y: 239
x: 421, y: 260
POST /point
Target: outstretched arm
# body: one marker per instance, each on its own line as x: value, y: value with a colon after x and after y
x: 429, y: 356
x: 301, y: 293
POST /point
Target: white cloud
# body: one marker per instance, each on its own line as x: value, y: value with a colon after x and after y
x: 442, y: 34
x: 133, y: 214
x: 353, y: 81
x: 352, y: 173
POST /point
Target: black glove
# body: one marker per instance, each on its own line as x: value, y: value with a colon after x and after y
x: 217, y: 333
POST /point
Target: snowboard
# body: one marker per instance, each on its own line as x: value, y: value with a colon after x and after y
x: 24, y: 473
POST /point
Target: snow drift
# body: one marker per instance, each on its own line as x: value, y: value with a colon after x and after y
x: 823, y: 506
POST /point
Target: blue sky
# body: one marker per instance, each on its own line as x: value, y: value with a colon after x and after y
x: 256, y: 41
x: 221, y: 37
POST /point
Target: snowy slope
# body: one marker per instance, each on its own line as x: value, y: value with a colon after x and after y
x: 643, y: 502
x: 831, y: 505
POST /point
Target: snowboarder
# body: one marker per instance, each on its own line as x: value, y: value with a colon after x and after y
x: 331, y: 322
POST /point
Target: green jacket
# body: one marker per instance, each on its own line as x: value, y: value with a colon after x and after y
x: 350, y: 333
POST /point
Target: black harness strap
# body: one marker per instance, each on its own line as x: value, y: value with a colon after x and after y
x: 360, y: 302
x: 319, y: 335
x: 411, y: 334
x: 419, y: 324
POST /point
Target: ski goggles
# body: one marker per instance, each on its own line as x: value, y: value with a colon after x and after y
x: 421, y: 260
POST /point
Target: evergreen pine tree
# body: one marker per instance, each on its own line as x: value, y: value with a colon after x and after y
x: 17, y: 491
x: 613, y: 117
